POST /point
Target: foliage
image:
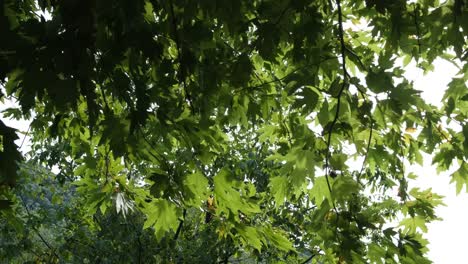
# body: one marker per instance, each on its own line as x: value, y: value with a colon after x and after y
x: 150, y: 107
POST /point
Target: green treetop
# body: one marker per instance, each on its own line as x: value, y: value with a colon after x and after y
x: 226, y: 128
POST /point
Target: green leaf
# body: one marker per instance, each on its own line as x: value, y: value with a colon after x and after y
x: 307, y: 100
x: 344, y: 188
x: 460, y: 177
x: 279, y: 189
x: 250, y: 236
x: 337, y: 161
x: 162, y: 215
x: 320, y: 191
x: 404, y: 96
x: 149, y: 15
x: 379, y: 81
x: 278, y: 239
x: 242, y: 70
x: 324, y: 115
x: 196, y: 188
x: 9, y: 156
x: 159, y: 104
x: 411, y: 224
x: 229, y: 198
x: 456, y: 89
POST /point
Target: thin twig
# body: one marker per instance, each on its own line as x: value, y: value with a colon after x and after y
x: 416, y: 24
x: 151, y: 145
x: 442, y: 133
x: 179, y: 228
x: 276, y: 79
x: 104, y: 98
x: 358, y: 58
x: 281, y: 15
x: 25, y: 135
x: 367, y: 148
x: 288, y: 133
x: 106, y: 162
x: 37, y: 231
x: 308, y: 259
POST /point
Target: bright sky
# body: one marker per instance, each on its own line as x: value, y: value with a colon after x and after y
x: 448, y: 238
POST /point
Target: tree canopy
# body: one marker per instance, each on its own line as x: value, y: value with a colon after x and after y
x: 225, y: 131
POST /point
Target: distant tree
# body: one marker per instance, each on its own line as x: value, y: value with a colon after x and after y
x: 153, y: 107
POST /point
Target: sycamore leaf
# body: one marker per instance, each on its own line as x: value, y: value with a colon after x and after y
x: 344, y: 187
x: 411, y: 224
x: 162, y: 216
x: 9, y: 156
x: 267, y: 133
x: 278, y: 239
x: 379, y: 81
x: 377, y: 253
x: 306, y: 100
x: 229, y: 198
x: 149, y: 16
x: 404, y: 96
x: 320, y: 191
x: 460, y: 177
x: 337, y: 161
x: 456, y: 89
x: 298, y: 180
x: 161, y: 102
x: 195, y: 186
x: 279, y: 189
x: 324, y: 114
x: 250, y: 236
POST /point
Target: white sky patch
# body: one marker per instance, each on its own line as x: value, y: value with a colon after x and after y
x: 448, y: 238
x: 20, y: 125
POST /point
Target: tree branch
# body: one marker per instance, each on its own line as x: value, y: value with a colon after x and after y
x: 25, y: 135
x: 416, y: 24
x: 343, y: 87
x: 37, y: 231
x: 367, y: 148
x: 308, y: 259
x: 179, y: 228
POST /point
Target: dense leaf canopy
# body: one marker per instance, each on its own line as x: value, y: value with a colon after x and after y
x: 225, y: 131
